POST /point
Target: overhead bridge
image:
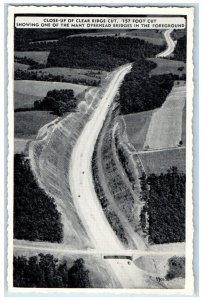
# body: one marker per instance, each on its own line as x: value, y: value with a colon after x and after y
x: 124, y: 254
x: 118, y: 257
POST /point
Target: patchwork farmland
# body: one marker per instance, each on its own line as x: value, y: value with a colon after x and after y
x: 165, y: 129
x: 136, y: 126
x: 158, y: 136
x: 160, y: 161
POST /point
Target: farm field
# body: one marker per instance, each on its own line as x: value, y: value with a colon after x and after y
x: 137, y: 126
x: 73, y: 74
x: 24, y: 100
x: 21, y: 146
x: 40, y: 88
x: 166, y: 66
x: 165, y: 129
x: 27, y: 123
x: 160, y: 161
x: 19, y: 66
x: 168, y: 247
x: 38, y: 56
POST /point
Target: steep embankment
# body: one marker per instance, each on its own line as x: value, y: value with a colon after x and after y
x: 50, y: 157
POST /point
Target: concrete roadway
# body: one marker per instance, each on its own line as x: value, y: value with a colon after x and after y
x: 170, y: 44
x: 85, y: 198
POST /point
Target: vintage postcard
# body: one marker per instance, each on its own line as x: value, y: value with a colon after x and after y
x: 100, y: 149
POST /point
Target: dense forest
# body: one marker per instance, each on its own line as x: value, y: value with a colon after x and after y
x: 26, y: 39
x: 99, y: 53
x: 35, y: 213
x: 180, y: 49
x: 45, y: 271
x: 163, y: 214
x: 141, y: 92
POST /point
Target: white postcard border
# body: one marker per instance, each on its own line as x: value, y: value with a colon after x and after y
x: 189, y: 280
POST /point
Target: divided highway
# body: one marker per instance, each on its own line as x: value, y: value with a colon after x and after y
x: 85, y: 198
x: 80, y: 173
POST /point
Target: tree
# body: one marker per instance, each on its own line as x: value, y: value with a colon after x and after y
x: 176, y: 268
x: 58, y: 101
x: 46, y: 271
x: 78, y: 275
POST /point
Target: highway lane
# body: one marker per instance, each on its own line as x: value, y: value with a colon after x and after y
x: 85, y: 198
x: 80, y: 174
x: 170, y: 44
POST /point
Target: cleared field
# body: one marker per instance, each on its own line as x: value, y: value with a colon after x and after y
x: 165, y: 129
x: 73, y: 74
x: 27, y: 123
x: 38, y: 56
x: 160, y: 161
x: 137, y: 126
x: 21, y: 146
x: 40, y: 88
x: 18, y: 66
x: 179, y: 247
x: 160, y: 271
x: 161, y: 262
x: 24, y: 100
x: 166, y: 66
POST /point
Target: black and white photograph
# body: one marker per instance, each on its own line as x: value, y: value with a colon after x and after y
x: 100, y: 149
